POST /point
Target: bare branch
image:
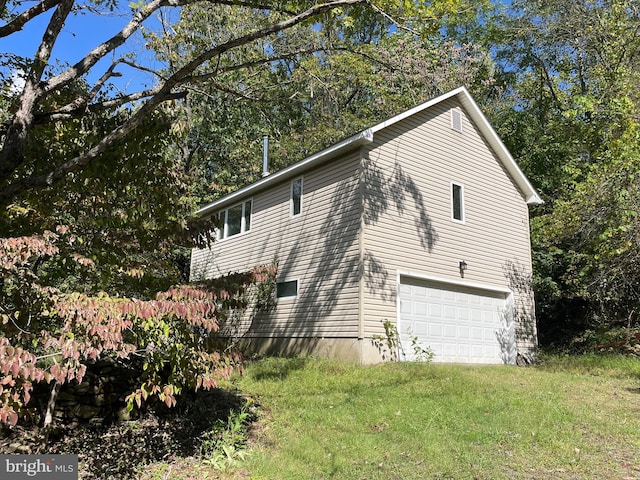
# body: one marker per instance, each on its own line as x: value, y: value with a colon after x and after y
x: 12, y: 153
x: 82, y: 101
x: 143, y: 69
x: 68, y: 113
x: 393, y: 20
x: 84, y: 65
x: 110, y: 73
x: 17, y: 23
x: 81, y: 105
x: 162, y: 93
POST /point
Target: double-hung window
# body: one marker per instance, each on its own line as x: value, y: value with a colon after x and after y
x: 295, y: 203
x: 235, y: 220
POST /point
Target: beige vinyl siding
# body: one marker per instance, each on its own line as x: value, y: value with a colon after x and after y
x: 410, y: 168
x: 319, y: 248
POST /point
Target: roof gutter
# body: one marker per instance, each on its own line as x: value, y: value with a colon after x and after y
x: 352, y: 142
x: 366, y: 136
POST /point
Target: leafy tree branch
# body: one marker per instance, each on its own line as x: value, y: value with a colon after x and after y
x: 36, y: 90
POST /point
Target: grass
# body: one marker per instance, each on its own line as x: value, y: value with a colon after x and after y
x: 566, y: 418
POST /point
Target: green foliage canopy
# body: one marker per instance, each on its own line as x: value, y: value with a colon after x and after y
x: 571, y: 70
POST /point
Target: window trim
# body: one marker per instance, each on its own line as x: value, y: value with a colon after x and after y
x: 291, y: 199
x: 223, y: 234
x: 289, y: 297
x: 456, y: 114
x: 463, y: 216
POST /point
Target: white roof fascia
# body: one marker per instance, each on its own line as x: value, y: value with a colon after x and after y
x: 366, y: 136
x: 531, y: 195
x: 418, y: 109
x: 361, y: 138
x: 463, y: 95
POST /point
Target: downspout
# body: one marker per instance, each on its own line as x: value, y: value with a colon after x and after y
x: 361, y: 244
x: 265, y: 156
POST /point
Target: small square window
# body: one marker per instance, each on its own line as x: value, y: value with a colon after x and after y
x: 296, y: 197
x: 457, y: 202
x: 288, y: 289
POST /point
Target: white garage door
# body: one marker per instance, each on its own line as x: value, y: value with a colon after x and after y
x: 459, y: 324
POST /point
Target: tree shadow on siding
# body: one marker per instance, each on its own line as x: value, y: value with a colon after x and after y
x: 335, y: 262
x: 506, y: 337
x: 400, y: 188
x: 336, y: 257
x: 325, y: 266
x: 385, y: 191
x: 397, y: 187
x: 328, y: 296
x: 521, y: 283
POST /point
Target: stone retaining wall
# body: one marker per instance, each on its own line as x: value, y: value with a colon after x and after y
x: 100, y: 398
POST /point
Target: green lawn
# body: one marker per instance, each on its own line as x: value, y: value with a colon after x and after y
x: 567, y: 418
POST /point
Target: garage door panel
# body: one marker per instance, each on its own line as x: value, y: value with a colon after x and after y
x: 434, y: 330
x: 489, y: 335
x: 450, y: 350
x: 450, y: 330
x: 463, y: 332
x: 405, y: 307
x: 419, y: 292
x: 420, y: 328
x: 491, y: 351
x: 475, y: 301
x: 420, y: 308
x: 476, y: 333
x: 461, y: 298
x: 459, y: 324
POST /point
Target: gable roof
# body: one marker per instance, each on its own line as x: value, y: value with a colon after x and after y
x: 366, y: 136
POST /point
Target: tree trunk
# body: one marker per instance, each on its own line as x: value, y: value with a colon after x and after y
x: 51, y: 405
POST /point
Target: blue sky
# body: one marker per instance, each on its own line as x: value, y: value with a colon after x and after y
x: 80, y: 35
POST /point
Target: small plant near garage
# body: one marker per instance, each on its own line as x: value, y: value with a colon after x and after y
x: 421, y: 353
x: 388, y: 343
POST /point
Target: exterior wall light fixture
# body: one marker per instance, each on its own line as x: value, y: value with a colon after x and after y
x: 463, y: 266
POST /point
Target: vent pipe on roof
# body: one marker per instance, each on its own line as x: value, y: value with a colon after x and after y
x: 265, y: 155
